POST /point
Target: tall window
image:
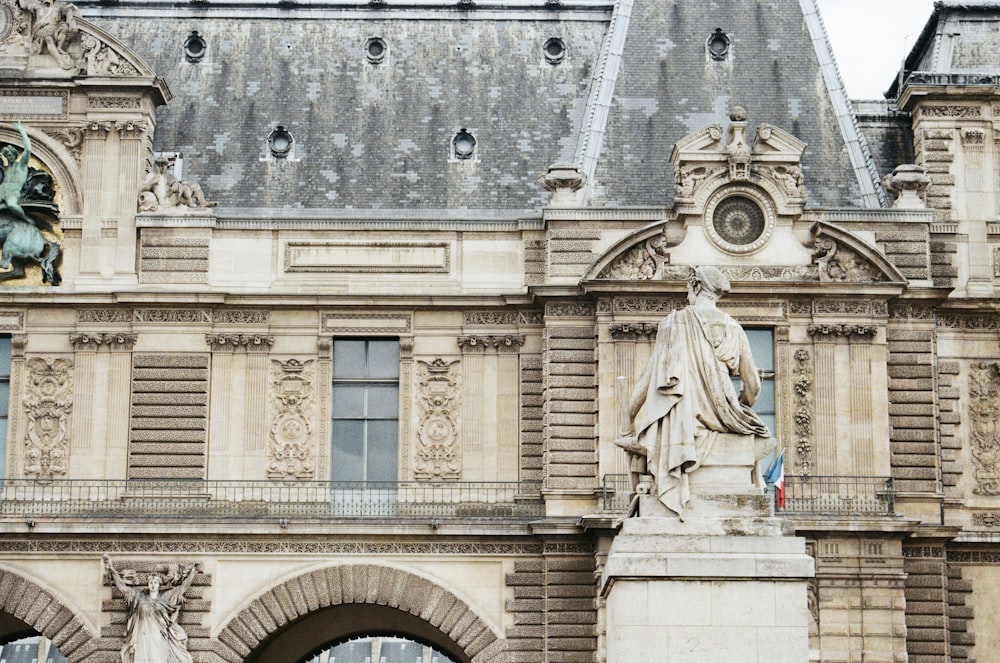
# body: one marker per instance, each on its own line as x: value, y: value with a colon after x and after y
x: 365, y: 410
x: 762, y: 347
x: 4, y: 400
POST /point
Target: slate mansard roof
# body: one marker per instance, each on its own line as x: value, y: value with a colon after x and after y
x: 635, y: 78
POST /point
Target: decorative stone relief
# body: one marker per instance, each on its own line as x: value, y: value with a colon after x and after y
x: 802, y: 374
x: 49, y: 31
x: 789, y: 177
x: 71, y: 138
x: 908, y: 310
x: 951, y: 111
x: 48, y: 406
x: 173, y: 315
x: 996, y: 262
x: 751, y: 272
x: 986, y: 518
x: 984, y: 426
x: 841, y: 265
x: 497, y: 318
x: 240, y: 317
x: 640, y: 263
x: 162, y: 191
x: 570, y: 310
x: 860, y: 331
x: 103, y: 316
x: 971, y: 322
x: 249, y: 342
x: 438, y: 454
x: 632, y: 331
x: 95, y: 341
x: 291, y: 448
x: 500, y: 343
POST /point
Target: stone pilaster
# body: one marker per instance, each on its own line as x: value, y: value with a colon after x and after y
x: 131, y: 160
x: 96, y: 168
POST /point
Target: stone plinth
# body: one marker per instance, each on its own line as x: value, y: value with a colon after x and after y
x: 707, y: 590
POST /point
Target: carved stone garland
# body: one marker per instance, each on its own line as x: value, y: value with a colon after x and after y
x: 291, y: 445
x: 803, y: 413
x: 438, y: 454
x: 48, y: 406
x: 984, y: 428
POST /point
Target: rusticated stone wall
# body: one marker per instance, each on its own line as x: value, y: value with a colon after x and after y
x: 570, y: 396
x: 913, y: 440
x: 554, y: 608
x: 927, y: 633
x: 169, y: 416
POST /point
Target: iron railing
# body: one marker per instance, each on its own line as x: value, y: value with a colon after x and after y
x: 313, y: 500
x: 814, y: 495
x: 616, y: 493
x: 804, y: 495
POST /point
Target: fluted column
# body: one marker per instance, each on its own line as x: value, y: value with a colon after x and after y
x: 95, y: 169
x: 131, y: 159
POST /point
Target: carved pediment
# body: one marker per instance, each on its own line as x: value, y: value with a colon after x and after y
x: 837, y: 257
x: 711, y: 158
x: 42, y: 38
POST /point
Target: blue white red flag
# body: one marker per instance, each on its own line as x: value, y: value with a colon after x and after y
x: 776, y: 476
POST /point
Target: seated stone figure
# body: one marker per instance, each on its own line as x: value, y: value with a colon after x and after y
x: 685, y: 399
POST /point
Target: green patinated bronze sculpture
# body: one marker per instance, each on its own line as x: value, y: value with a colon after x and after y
x: 27, y: 207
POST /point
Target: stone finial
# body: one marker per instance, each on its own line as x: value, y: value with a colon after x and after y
x: 563, y: 180
x: 736, y: 145
x: 908, y: 182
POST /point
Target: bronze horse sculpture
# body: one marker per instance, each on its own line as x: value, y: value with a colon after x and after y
x: 26, y: 205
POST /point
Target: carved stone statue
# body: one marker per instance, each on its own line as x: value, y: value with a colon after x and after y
x: 53, y: 27
x: 152, y: 634
x: 26, y: 197
x: 162, y: 190
x: 685, y: 399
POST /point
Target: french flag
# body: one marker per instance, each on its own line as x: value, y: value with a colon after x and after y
x: 776, y: 476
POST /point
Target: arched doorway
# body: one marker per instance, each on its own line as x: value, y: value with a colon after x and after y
x: 32, y: 649
x: 380, y: 649
x: 306, y: 615
x: 300, y: 640
x: 28, y: 611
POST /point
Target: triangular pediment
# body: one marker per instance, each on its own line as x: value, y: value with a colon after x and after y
x: 837, y: 256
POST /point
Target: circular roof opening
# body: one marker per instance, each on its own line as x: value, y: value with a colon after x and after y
x: 464, y: 144
x: 375, y: 49
x: 195, y: 47
x: 279, y: 142
x: 718, y: 45
x: 554, y: 50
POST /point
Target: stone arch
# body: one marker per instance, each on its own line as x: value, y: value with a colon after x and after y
x: 27, y: 607
x: 59, y: 162
x: 416, y: 606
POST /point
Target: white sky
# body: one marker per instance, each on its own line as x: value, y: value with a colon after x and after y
x: 870, y: 38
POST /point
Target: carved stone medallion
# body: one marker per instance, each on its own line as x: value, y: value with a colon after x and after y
x: 291, y: 445
x: 48, y: 406
x: 438, y: 455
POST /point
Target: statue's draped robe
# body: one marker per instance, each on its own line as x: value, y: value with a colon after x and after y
x: 685, y: 396
x: 152, y: 634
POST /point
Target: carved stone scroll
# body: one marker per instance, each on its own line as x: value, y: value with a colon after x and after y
x: 984, y: 428
x: 292, y: 444
x: 48, y: 406
x: 438, y: 454
x: 839, y: 264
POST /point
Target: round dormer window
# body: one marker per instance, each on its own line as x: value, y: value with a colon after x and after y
x: 738, y: 221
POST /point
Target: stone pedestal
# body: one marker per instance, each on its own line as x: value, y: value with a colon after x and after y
x: 715, y: 589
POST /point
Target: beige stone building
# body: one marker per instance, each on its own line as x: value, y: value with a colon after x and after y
x: 343, y: 298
